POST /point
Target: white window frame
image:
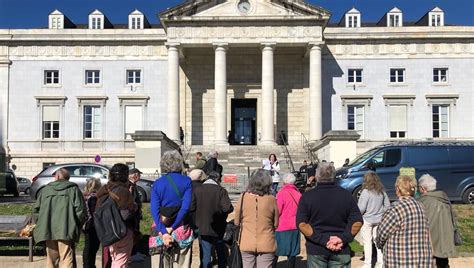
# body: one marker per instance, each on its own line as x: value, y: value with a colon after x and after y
x: 51, y: 123
x: 134, y: 83
x: 56, y: 22
x: 397, y: 20
x: 96, y: 111
x: 93, y: 83
x: 353, y: 21
x: 352, y: 73
x: 356, y: 122
x: 437, y: 74
x: 133, y: 100
x: 136, y: 22
x: 397, y: 75
x: 398, y: 133
x: 440, y: 123
x: 42, y: 101
x: 96, y: 22
x: 97, y: 101
x: 433, y: 17
x: 52, y: 83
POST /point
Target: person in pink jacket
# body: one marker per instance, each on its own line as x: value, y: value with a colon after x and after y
x: 287, y: 235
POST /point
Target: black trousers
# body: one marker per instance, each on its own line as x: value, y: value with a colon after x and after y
x: 442, y: 262
x: 91, y: 246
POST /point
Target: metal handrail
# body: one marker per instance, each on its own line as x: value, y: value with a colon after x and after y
x: 305, y: 144
x: 287, y: 153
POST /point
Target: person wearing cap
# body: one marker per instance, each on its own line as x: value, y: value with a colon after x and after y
x: 133, y: 177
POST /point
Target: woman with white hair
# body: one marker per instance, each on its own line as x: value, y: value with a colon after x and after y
x: 287, y: 235
x: 441, y: 219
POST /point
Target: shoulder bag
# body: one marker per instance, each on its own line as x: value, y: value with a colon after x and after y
x: 457, y: 234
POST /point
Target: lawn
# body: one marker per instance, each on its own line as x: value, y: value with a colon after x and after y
x: 465, y: 214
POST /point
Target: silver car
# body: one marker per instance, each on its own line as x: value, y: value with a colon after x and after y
x: 80, y: 173
x: 24, y: 185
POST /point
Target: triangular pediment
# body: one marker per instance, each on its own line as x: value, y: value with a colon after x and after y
x: 436, y: 9
x: 221, y: 9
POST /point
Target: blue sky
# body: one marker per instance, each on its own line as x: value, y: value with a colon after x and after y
x: 34, y: 13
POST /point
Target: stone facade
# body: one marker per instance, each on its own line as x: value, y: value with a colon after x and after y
x: 282, y: 53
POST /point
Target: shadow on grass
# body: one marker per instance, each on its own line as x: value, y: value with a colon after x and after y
x: 19, y: 248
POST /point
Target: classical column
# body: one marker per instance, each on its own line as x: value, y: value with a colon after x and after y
x: 220, y: 94
x: 315, y: 93
x: 173, y: 93
x: 267, y: 94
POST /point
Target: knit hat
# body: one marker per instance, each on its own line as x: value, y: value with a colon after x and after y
x: 196, y: 174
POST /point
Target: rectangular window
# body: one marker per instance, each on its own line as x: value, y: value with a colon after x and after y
x: 394, y: 20
x: 397, y: 75
x: 440, y: 121
x: 398, y: 121
x: 440, y: 75
x: 50, y: 122
x: 92, y: 77
x: 436, y: 20
x: 51, y: 77
x: 352, y: 21
x: 92, y: 122
x: 96, y: 23
x: 355, y: 118
x: 354, y: 76
x: 134, y: 76
x: 136, y: 23
x: 133, y: 120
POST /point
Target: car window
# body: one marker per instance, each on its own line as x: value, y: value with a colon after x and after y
x: 100, y: 173
x: 387, y: 158
x: 81, y: 171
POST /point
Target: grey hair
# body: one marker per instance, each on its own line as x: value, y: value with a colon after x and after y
x: 63, y: 174
x: 260, y: 182
x: 212, y: 154
x: 428, y: 182
x: 325, y: 172
x: 289, y: 178
x: 171, y: 161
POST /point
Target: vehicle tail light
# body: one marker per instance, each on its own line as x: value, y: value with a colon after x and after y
x: 34, y: 178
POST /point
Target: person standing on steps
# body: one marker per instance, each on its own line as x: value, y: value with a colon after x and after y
x: 273, y: 167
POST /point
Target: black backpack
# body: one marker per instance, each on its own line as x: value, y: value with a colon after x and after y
x: 108, y: 222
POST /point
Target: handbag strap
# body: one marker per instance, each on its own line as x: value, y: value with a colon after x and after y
x: 175, y: 188
x: 241, y: 217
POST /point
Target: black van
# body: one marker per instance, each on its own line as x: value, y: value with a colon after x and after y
x: 451, y: 163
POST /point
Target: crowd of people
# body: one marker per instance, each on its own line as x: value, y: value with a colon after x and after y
x: 190, y: 204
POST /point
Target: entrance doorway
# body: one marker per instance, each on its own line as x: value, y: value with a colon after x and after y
x: 244, y: 122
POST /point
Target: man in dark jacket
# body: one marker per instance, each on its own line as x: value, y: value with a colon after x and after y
x: 212, y: 164
x: 59, y: 211
x: 212, y: 207
x: 329, y: 218
x: 134, y: 175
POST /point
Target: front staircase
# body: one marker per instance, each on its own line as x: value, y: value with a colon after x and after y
x: 239, y: 160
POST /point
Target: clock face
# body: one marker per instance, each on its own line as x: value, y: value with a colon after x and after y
x: 244, y: 6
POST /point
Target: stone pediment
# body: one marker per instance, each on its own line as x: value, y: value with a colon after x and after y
x: 255, y: 9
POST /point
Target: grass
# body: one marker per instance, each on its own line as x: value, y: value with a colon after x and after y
x: 465, y: 215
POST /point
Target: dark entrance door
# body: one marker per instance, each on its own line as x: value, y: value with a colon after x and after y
x: 244, y: 122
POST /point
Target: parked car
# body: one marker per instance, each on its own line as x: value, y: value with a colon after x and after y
x: 451, y: 163
x: 24, y: 185
x: 79, y: 175
x: 11, y: 183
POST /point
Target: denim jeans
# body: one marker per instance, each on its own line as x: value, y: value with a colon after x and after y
x: 207, y: 243
x: 274, y: 188
x: 332, y: 261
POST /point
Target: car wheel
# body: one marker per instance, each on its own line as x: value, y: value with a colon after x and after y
x: 356, y: 193
x: 468, y: 196
x: 141, y: 194
x: 27, y: 190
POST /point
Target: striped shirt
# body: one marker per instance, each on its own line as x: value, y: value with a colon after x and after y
x: 403, y: 234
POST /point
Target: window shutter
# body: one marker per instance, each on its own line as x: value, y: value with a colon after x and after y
x: 133, y: 119
x: 50, y: 113
x: 398, y: 118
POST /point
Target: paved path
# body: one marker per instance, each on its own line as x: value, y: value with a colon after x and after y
x: 20, y: 262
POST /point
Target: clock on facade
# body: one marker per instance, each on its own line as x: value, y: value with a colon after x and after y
x: 244, y: 6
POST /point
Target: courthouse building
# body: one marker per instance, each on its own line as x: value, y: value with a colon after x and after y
x: 255, y: 68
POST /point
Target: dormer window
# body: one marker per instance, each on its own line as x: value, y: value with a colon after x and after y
x: 394, y: 18
x: 136, y: 23
x: 136, y: 20
x: 352, y: 18
x: 436, y: 17
x: 96, y: 20
x: 56, y: 20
